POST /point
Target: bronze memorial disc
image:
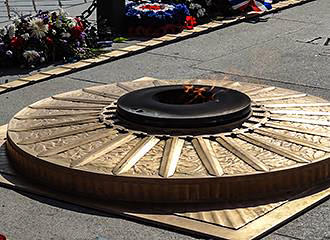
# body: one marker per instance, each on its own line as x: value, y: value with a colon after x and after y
x: 77, y: 142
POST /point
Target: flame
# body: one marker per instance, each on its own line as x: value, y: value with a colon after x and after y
x: 188, y: 88
x: 199, y: 94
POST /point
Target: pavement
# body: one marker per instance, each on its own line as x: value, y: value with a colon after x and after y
x: 270, y: 51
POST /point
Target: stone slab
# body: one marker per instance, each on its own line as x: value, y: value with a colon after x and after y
x: 281, y: 59
x: 153, y: 65
x: 227, y: 41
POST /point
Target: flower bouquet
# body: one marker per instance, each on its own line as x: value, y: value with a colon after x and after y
x: 46, y: 37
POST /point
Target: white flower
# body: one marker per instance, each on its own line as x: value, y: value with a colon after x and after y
x: 3, y: 32
x: 25, y: 36
x: 31, y: 55
x: 201, y: 12
x: 9, y: 53
x: 38, y: 28
x: 63, y: 13
x: 162, y: 7
x: 53, y: 32
x: 11, y: 31
x: 72, y: 24
x: 65, y: 35
x: 17, y: 21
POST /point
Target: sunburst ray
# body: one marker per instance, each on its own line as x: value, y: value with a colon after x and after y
x: 83, y: 100
x: 260, y: 90
x: 58, y: 115
x: 171, y: 154
x: 102, y: 94
x: 103, y: 149
x: 287, y: 138
x: 280, y: 97
x: 63, y: 134
x: 272, y: 148
x: 296, y: 129
x: 288, y: 119
x: 290, y: 105
x: 57, y: 124
x: 125, y: 87
x: 207, y: 155
x: 245, y: 156
x: 231, y: 85
x: 135, y: 154
x: 301, y: 120
x: 77, y: 143
x: 69, y: 107
x: 299, y: 112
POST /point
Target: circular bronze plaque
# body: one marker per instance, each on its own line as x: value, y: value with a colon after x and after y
x: 173, y: 107
x: 75, y: 142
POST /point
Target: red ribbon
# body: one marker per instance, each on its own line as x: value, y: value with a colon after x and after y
x: 152, y: 7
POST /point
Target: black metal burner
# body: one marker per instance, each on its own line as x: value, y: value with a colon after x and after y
x: 171, y: 107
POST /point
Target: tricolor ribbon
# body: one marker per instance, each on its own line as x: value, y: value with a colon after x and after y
x: 256, y: 5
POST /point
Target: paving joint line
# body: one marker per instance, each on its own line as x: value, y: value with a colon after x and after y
x: 86, y: 80
x: 174, y: 56
x: 288, y: 236
x: 293, y: 20
x: 142, y: 47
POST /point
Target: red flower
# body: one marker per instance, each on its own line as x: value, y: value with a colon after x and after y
x: 17, y: 42
x: 2, y: 237
x: 49, y: 41
x: 190, y: 22
x: 76, y: 31
x: 80, y: 23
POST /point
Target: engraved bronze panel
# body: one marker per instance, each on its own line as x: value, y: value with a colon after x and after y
x: 75, y: 142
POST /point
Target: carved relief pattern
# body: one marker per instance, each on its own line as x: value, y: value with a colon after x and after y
x: 230, y: 164
x: 305, y: 152
x: 107, y: 162
x: 271, y: 159
x: 189, y: 163
x: 149, y: 164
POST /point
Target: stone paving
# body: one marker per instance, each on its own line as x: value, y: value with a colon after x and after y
x: 261, y: 52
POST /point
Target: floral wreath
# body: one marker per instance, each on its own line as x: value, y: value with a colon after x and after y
x: 31, y: 41
x: 151, y: 18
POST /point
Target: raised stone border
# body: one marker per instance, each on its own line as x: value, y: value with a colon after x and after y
x: 141, y: 47
x: 271, y: 215
x: 125, y: 161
